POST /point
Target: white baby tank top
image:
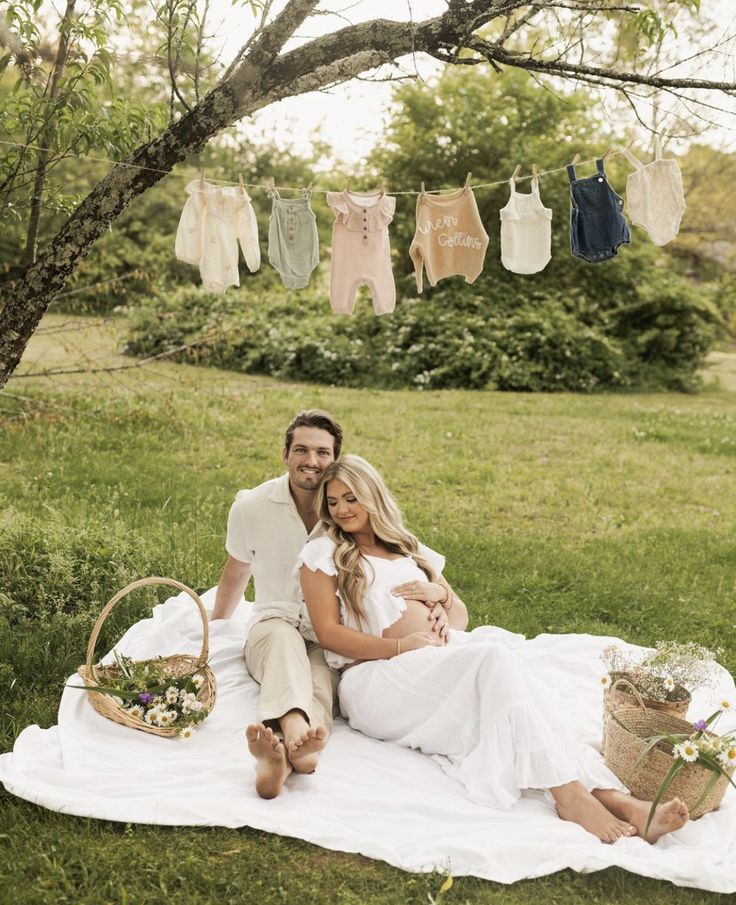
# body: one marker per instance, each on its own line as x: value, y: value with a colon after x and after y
x: 526, y: 231
x: 654, y: 195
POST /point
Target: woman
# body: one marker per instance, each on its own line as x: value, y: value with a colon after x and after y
x: 367, y: 584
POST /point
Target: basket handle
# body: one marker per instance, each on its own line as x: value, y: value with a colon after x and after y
x: 140, y: 583
x: 638, y: 697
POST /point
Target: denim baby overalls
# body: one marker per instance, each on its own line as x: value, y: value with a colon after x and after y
x: 597, y: 223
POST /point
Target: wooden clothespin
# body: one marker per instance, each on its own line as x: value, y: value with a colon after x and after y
x: 575, y: 160
x: 535, y: 174
x: 423, y: 190
x: 467, y: 179
x: 241, y: 183
x: 201, y: 179
x: 382, y: 185
x: 607, y: 154
x: 517, y: 170
x: 271, y: 184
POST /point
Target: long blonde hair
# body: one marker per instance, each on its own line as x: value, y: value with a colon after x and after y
x: 385, y: 519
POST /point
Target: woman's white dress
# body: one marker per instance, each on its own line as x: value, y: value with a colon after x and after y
x: 474, y: 704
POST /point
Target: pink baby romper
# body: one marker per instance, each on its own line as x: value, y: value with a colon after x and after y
x: 361, y: 252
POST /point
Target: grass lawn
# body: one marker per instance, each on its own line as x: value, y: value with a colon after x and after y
x: 605, y: 514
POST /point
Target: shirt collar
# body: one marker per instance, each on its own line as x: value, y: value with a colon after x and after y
x: 280, y: 492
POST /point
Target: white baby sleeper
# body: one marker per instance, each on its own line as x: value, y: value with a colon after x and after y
x: 654, y: 195
x: 526, y: 231
x: 213, y: 221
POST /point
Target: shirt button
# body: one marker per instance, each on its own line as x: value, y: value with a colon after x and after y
x: 600, y: 179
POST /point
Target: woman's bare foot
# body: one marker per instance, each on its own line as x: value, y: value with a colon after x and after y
x: 272, y: 765
x: 670, y: 816
x: 576, y: 804
x: 303, y: 749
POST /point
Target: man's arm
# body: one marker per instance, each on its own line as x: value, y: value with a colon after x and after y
x: 230, y: 588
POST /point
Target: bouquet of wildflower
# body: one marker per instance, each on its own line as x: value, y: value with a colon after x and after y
x: 716, y: 754
x: 151, y: 691
x: 669, y: 673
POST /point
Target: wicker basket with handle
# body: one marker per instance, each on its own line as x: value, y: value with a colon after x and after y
x: 627, y: 731
x: 177, y: 664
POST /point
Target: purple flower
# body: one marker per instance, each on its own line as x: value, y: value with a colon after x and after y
x: 145, y: 698
x: 701, y: 725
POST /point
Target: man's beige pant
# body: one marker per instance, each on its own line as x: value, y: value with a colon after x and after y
x: 292, y: 672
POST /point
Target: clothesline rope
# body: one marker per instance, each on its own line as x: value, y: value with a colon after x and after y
x: 286, y: 188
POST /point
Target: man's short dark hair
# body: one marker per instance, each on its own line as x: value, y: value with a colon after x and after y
x: 319, y: 419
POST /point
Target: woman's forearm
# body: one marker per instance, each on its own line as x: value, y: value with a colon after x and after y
x: 354, y: 644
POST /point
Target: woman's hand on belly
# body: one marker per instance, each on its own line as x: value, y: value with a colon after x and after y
x: 417, y: 619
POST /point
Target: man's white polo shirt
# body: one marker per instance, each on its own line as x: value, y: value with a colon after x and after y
x: 265, y: 530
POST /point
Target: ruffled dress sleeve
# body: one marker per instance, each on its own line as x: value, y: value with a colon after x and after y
x: 318, y: 555
x: 339, y: 205
x: 436, y: 560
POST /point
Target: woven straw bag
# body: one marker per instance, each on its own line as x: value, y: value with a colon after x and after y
x: 627, y: 731
x: 616, y: 697
x: 179, y: 664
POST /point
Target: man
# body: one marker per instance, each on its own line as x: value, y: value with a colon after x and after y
x: 267, y: 528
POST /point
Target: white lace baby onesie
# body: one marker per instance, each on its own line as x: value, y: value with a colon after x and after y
x: 212, y: 222
x: 654, y: 195
x: 526, y: 231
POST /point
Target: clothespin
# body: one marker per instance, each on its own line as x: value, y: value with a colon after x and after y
x: 382, y: 185
x: 242, y: 185
x: 607, y: 154
x: 467, y: 179
x: 423, y: 190
x: 575, y: 160
x: 201, y: 179
x: 517, y: 170
x: 535, y: 174
x: 271, y: 184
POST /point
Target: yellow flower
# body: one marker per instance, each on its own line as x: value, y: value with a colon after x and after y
x: 725, y: 705
x: 605, y: 681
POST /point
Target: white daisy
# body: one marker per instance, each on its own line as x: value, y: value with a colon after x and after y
x: 727, y: 757
x: 152, y: 716
x: 166, y: 718
x: 172, y: 695
x: 187, y: 732
x: 136, y: 711
x: 688, y: 751
x: 669, y: 683
x: 605, y: 681
x: 198, y: 680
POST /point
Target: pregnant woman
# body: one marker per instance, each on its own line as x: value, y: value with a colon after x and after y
x: 367, y: 584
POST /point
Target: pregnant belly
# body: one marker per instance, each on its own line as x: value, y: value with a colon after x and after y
x: 413, y: 620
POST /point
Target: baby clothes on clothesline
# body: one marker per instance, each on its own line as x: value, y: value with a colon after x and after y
x: 213, y: 221
x: 526, y: 231
x: 449, y: 238
x: 597, y: 224
x: 654, y: 195
x: 293, y: 243
x: 361, y: 251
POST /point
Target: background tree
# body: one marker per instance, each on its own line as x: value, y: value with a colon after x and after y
x: 265, y: 70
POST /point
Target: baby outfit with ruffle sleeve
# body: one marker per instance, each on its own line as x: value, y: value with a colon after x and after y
x: 361, y: 252
x: 382, y: 608
x: 654, y: 195
x: 213, y: 221
x: 526, y: 231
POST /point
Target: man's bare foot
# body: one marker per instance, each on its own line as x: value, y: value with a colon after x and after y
x: 576, y: 804
x: 303, y: 749
x: 272, y: 765
x: 670, y: 816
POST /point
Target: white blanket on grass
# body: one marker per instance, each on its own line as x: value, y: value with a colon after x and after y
x: 367, y: 796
